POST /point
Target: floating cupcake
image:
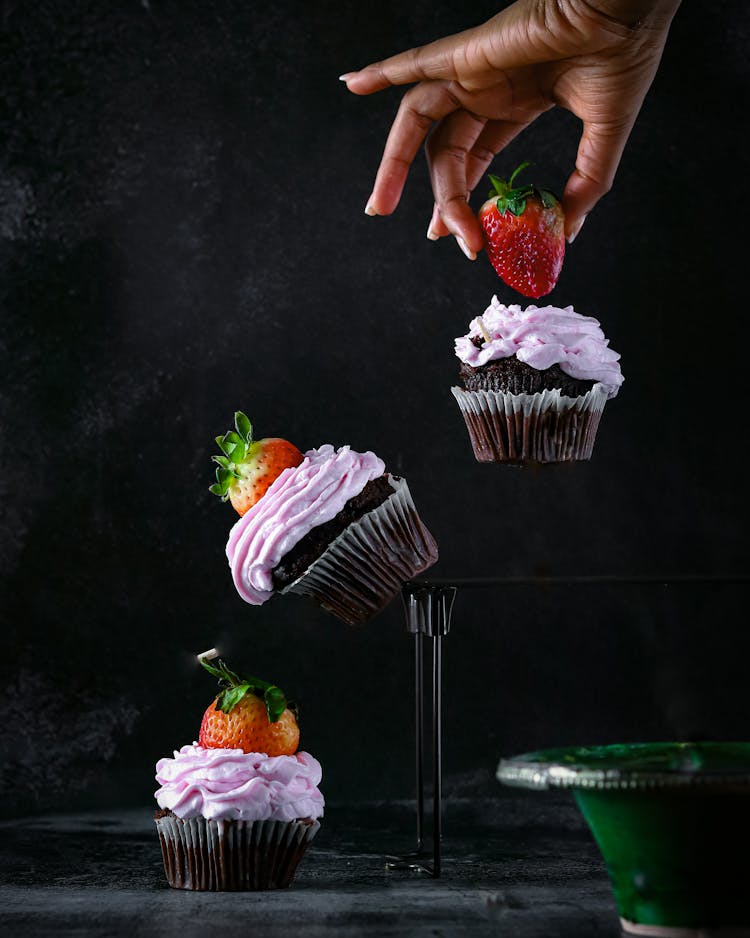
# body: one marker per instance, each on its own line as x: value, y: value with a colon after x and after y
x: 330, y: 523
x: 239, y: 807
x: 535, y: 383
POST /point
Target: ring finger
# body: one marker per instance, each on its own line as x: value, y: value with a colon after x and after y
x: 493, y: 137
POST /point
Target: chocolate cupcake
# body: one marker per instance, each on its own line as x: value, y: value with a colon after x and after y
x: 535, y: 383
x: 228, y: 820
x: 239, y: 807
x: 336, y: 527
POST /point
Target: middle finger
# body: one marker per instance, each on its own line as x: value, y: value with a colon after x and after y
x: 447, y: 153
x: 420, y: 108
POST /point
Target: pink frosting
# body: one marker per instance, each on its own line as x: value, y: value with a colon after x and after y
x: 544, y: 336
x: 297, y: 501
x: 232, y: 785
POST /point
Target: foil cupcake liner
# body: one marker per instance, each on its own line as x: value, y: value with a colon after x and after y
x: 364, y: 568
x: 545, y: 427
x: 223, y: 856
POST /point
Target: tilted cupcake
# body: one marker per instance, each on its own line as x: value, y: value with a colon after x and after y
x: 535, y: 383
x: 239, y: 807
x: 334, y: 525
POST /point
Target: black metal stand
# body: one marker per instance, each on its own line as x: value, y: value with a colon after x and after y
x: 429, y: 604
x: 428, y: 616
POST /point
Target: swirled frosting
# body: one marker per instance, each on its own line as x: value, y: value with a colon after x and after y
x: 300, y: 499
x: 232, y: 785
x: 543, y: 336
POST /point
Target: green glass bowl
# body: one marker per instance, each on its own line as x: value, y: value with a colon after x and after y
x: 672, y: 822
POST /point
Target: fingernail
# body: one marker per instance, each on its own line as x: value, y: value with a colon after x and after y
x: 346, y: 76
x: 369, y: 210
x: 574, y: 234
x: 431, y: 227
x: 466, y: 249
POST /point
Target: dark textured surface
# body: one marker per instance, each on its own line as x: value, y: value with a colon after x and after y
x: 182, y: 187
x: 510, y: 374
x: 315, y: 542
x: 519, y: 865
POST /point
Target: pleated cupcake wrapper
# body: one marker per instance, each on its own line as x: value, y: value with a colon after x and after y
x: 362, y: 570
x: 544, y: 427
x: 232, y: 855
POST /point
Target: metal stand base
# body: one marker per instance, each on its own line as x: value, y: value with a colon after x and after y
x: 428, y: 616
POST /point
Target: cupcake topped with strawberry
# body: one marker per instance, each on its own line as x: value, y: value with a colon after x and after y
x: 239, y: 807
x: 329, y: 523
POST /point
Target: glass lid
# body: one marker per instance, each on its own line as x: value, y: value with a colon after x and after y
x: 630, y: 765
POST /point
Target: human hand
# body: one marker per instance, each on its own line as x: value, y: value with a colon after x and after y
x: 479, y: 89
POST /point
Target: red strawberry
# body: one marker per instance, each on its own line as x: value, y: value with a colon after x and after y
x: 247, y: 467
x: 248, y: 714
x: 525, y: 233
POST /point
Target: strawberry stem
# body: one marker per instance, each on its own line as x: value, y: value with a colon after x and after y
x: 501, y: 186
x: 243, y: 426
x: 235, y: 446
x: 234, y: 688
x: 516, y: 171
x: 513, y: 198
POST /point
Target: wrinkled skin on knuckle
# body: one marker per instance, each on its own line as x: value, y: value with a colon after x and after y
x: 606, y: 91
x: 628, y: 17
x: 581, y: 21
x: 588, y: 172
x: 455, y: 154
x: 378, y: 70
x: 589, y: 164
x: 420, y: 103
x: 473, y: 63
x: 437, y: 65
x: 415, y: 61
x: 558, y: 29
x: 482, y: 154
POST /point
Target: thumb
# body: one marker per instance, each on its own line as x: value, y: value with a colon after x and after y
x: 599, y: 154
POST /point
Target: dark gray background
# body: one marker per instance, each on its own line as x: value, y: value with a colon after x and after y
x: 182, y: 189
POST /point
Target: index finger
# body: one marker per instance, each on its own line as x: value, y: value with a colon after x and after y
x: 420, y: 108
x: 435, y: 60
x: 472, y: 57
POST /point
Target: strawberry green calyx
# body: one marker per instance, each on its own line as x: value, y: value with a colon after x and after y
x: 236, y: 445
x: 513, y: 199
x: 234, y: 688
